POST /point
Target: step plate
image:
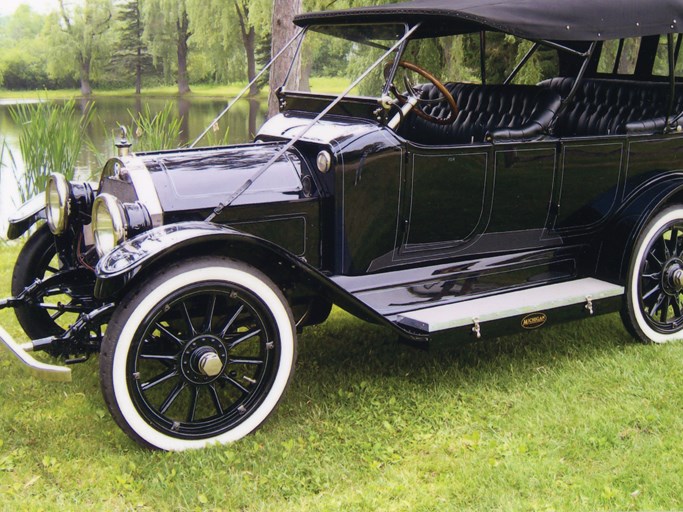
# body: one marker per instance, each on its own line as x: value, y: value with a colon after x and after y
x: 506, y: 305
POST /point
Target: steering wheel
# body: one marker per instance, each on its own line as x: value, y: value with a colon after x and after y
x: 445, y: 94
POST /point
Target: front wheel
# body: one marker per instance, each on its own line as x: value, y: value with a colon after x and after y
x: 653, y: 310
x: 198, y: 353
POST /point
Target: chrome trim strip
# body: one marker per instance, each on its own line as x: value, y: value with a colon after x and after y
x: 510, y: 304
x: 43, y: 370
x: 144, y: 188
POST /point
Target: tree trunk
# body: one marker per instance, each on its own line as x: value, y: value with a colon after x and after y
x: 86, y: 90
x: 283, y: 30
x: 183, y: 36
x: 250, y: 48
x: 249, y: 42
x: 138, y: 59
x: 138, y: 72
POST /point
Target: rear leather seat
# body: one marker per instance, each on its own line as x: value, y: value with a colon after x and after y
x: 486, y: 113
x: 610, y: 107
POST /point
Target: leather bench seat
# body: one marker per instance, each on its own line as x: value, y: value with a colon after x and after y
x: 609, y: 107
x: 486, y: 113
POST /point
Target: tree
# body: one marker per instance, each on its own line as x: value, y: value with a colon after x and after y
x: 167, y: 23
x: 132, y: 53
x: 85, y: 28
x: 227, y: 23
x: 283, y: 29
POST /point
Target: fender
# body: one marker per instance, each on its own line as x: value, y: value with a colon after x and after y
x: 117, y: 269
x: 26, y: 216
x: 620, y: 235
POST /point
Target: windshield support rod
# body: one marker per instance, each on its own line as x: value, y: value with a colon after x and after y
x: 246, y: 88
x: 575, y: 87
x: 482, y: 56
x: 522, y: 62
x: 567, y: 49
x: 672, y: 80
x: 310, y: 125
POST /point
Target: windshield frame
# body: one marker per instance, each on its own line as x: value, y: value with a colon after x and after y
x: 282, y: 91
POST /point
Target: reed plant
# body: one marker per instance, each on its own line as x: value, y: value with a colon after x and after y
x: 156, y: 131
x: 50, y: 140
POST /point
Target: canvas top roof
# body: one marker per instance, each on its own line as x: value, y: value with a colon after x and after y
x: 566, y: 20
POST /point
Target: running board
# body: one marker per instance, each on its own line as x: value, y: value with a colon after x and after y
x: 511, y: 304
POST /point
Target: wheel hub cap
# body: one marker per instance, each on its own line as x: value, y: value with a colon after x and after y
x: 672, y: 277
x: 210, y: 363
x: 677, y: 279
x: 203, y: 359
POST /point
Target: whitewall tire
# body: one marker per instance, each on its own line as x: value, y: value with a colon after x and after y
x: 653, y: 310
x: 198, y: 353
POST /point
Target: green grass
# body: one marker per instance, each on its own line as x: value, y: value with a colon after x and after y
x: 575, y: 417
x: 332, y: 85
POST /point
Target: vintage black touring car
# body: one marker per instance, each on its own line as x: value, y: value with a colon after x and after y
x: 423, y: 198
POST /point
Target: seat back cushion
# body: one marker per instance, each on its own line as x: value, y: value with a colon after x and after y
x: 608, y: 107
x: 485, y: 112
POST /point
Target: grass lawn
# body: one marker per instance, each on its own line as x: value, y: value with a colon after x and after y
x: 576, y: 417
x: 331, y: 85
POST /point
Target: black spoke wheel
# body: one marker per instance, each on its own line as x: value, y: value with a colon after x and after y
x: 38, y: 260
x: 201, y: 352
x: 653, y: 308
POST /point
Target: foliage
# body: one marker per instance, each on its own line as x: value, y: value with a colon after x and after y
x: 574, y: 417
x: 222, y: 42
x: 167, y: 33
x: 132, y: 58
x: 156, y: 131
x: 51, y: 139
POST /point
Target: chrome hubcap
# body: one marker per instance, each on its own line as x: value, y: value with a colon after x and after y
x: 210, y: 364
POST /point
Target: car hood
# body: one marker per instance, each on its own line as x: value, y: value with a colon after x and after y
x: 197, y: 179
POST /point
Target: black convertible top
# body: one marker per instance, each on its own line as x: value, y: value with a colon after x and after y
x: 567, y: 20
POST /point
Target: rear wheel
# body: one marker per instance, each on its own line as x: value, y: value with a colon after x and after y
x: 653, y: 310
x: 198, y: 353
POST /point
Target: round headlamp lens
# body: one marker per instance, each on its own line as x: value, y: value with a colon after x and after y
x: 323, y: 161
x: 57, y: 203
x: 108, y: 223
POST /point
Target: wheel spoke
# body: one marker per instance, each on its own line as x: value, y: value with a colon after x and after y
x: 657, y: 305
x: 193, y: 403
x: 235, y: 383
x: 215, y: 399
x: 665, y: 248
x: 652, y: 256
x: 673, y: 241
x: 244, y: 338
x: 160, y: 357
x: 188, y: 320
x: 162, y: 377
x: 676, y: 306
x: 231, y: 320
x: 169, y: 334
x: 665, y: 309
x: 208, y: 320
x: 172, y: 396
x: 649, y: 294
x: 245, y: 360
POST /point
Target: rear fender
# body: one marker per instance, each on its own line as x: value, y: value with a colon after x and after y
x: 621, y: 234
x: 126, y: 264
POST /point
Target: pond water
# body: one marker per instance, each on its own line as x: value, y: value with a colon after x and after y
x: 242, y: 121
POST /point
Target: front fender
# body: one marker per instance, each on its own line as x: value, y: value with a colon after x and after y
x: 26, y: 216
x: 621, y: 234
x: 119, y: 267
